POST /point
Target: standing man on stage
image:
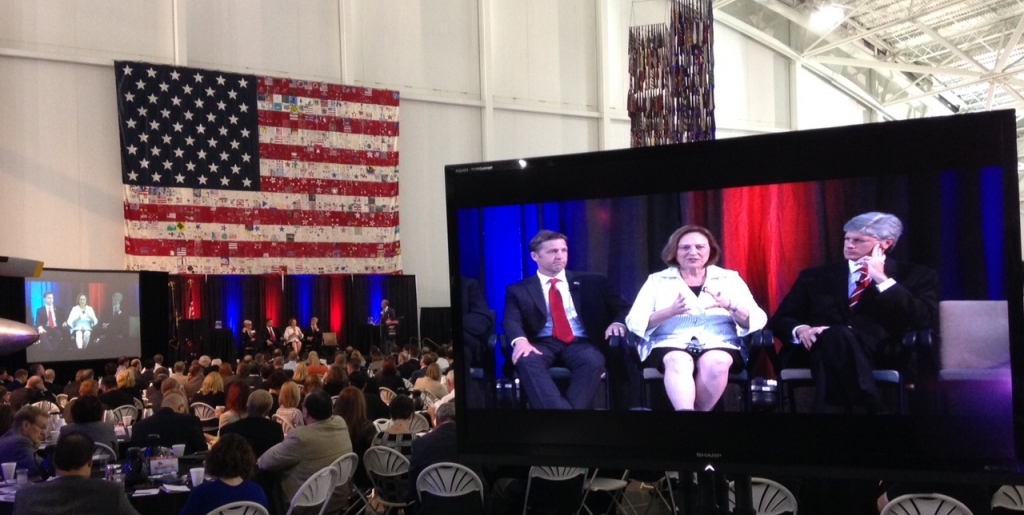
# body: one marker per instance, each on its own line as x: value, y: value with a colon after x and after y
x: 558, y: 316
x: 841, y: 316
x: 387, y: 312
x: 48, y: 323
x: 388, y: 326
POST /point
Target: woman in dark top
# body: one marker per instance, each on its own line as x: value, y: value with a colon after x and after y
x: 336, y: 380
x: 88, y: 415
x: 398, y: 436
x: 230, y: 461
x: 389, y: 378
x: 351, y: 406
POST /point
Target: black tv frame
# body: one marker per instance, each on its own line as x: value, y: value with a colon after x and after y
x: 892, y: 446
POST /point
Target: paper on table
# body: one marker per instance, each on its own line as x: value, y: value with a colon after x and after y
x: 146, y: 491
x: 175, y: 488
x: 9, y: 489
x: 7, y: 498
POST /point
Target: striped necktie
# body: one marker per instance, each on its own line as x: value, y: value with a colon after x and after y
x: 862, y: 284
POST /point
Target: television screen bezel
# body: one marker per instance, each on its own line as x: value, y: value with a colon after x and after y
x: 740, y: 441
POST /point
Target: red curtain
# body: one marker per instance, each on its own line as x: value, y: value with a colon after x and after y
x: 337, y: 308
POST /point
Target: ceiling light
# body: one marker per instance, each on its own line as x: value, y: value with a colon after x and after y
x: 826, y: 17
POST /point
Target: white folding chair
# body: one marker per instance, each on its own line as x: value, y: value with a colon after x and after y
x: 381, y: 424
x: 386, y: 394
x: 286, y: 425
x: 334, y: 400
x: 428, y: 398
x: 616, y: 488
x: 139, y: 405
x: 104, y: 451
x: 46, y: 406
x: 344, y: 468
x: 418, y: 424
x: 203, y: 411
x: 62, y: 400
x: 1009, y: 497
x: 449, y: 480
x: 315, y: 491
x: 914, y: 504
x: 553, y: 474
x: 768, y: 497
x: 240, y: 508
x: 388, y: 470
x: 124, y: 411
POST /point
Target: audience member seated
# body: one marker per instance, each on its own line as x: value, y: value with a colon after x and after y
x: 288, y: 401
x: 336, y: 380
x: 179, y: 373
x: 73, y: 491
x: 301, y: 373
x: 234, y: 404
x: 274, y: 382
x: 376, y: 360
x: 88, y: 388
x: 212, y: 391
x: 5, y: 398
x: 192, y: 384
x: 389, y: 378
x: 351, y: 406
x: 71, y: 390
x: 313, y: 365
x: 442, y: 358
x: 174, y: 424
x: 397, y: 436
x: 155, y: 394
x: 313, y: 382
x: 431, y: 383
x: 33, y: 392
x: 245, y: 375
x: 49, y: 376
x: 309, y: 448
x: 88, y: 413
x: 20, y: 378
x: 126, y: 382
x: 261, y: 432
x: 293, y: 359
x: 437, y: 446
x: 6, y: 416
x: 357, y: 358
x: 112, y: 397
x: 227, y: 375
x: 207, y: 364
x: 375, y: 407
x: 409, y: 362
x: 20, y: 443
x: 425, y: 361
x: 231, y: 461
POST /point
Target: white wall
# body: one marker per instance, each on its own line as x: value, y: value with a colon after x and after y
x: 480, y: 79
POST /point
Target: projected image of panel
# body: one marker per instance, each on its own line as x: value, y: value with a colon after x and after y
x: 712, y: 291
x: 83, y: 315
x: 751, y: 339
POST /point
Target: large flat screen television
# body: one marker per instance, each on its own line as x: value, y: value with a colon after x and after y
x: 777, y: 205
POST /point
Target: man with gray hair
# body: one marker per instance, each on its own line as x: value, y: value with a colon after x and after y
x: 841, y: 317
x: 261, y: 432
x: 434, y: 447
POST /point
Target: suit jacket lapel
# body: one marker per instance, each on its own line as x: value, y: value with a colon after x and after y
x: 537, y: 294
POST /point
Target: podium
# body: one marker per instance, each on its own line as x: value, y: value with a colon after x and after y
x: 389, y: 333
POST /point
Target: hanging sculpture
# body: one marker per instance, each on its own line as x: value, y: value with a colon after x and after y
x: 671, y: 72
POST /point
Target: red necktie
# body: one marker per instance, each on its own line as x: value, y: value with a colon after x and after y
x: 862, y: 284
x: 561, y: 329
x: 49, y: 313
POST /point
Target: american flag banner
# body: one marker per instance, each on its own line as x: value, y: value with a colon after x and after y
x: 226, y: 173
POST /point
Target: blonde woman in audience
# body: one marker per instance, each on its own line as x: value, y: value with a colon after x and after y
x: 288, y: 400
x: 313, y: 365
x: 301, y: 373
x: 357, y: 358
x: 212, y: 391
x: 431, y: 382
x: 126, y: 382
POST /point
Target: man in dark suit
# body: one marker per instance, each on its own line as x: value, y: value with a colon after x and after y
x: 48, y: 323
x: 261, y: 432
x: 73, y: 491
x: 268, y: 338
x: 387, y: 312
x: 115, y: 324
x: 585, y: 312
x: 477, y: 322
x: 173, y: 423
x: 840, y: 317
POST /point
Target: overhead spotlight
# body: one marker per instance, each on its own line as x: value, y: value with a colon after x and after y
x: 826, y: 17
x: 522, y: 163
